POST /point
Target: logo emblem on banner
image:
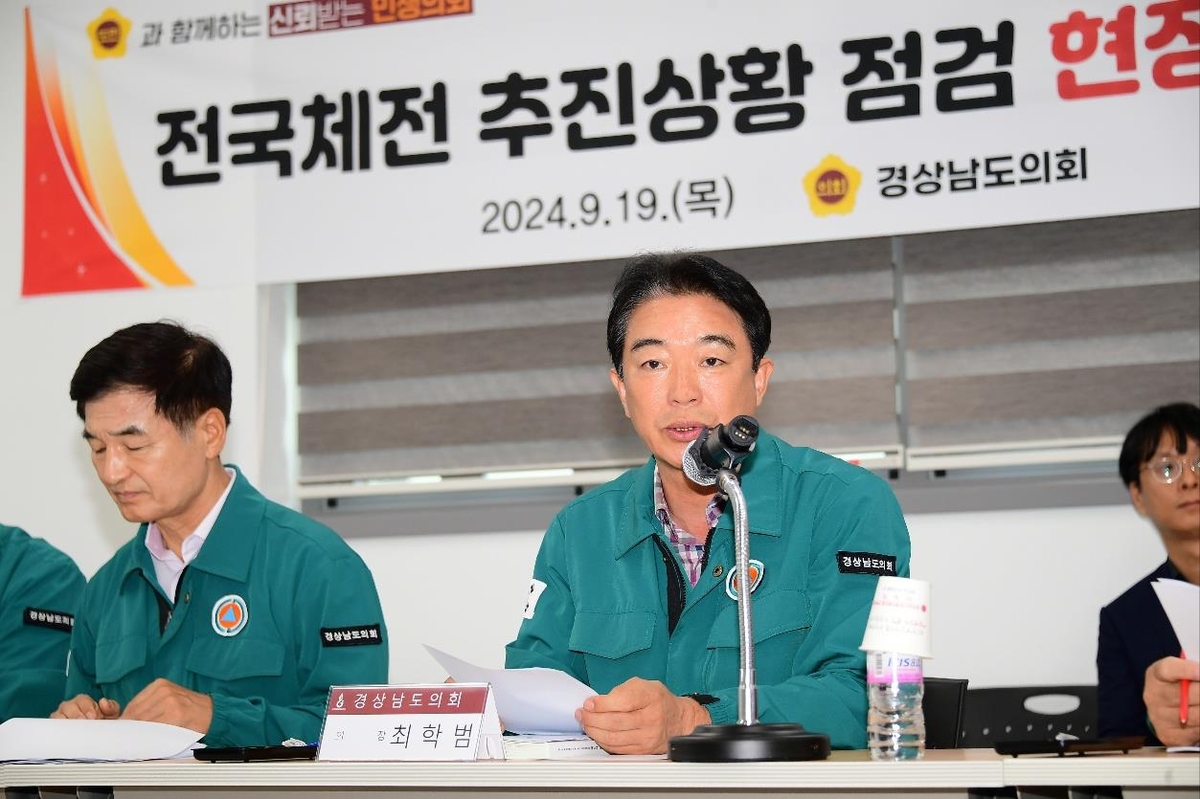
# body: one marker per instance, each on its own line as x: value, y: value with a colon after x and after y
x: 756, y: 570
x: 229, y: 615
x: 832, y: 186
x: 109, y: 33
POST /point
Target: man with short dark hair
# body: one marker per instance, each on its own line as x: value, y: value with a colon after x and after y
x: 1138, y: 658
x: 227, y: 613
x: 39, y: 590
x: 632, y: 589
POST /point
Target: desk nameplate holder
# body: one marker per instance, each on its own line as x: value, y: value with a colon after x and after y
x: 440, y: 721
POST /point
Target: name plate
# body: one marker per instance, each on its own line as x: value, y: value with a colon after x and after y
x: 454, y: 721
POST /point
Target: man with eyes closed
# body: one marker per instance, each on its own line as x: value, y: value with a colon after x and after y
x: 227, y: 613
x: 632, y: 588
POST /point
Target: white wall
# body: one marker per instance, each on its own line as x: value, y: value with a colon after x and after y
x: 1015, y: 594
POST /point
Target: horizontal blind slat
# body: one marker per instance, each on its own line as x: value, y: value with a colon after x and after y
x: 1060, y: 315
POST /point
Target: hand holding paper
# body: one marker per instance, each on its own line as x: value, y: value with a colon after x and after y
x: 528, y: 700
x: 1172, y: 687
x: 1162, y: 698
x: 639, y: 717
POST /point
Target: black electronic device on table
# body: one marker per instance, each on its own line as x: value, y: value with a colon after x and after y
x: 247, y: 754
x: 1069, y: 746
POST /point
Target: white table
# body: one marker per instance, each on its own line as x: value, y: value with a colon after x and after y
x: 942, y: 773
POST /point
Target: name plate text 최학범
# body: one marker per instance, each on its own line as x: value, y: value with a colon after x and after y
x: 445, y: 721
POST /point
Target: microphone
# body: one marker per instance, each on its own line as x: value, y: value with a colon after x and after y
x: 722, y: 447
x: 713, y: 458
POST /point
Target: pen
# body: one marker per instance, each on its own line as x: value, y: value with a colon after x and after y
x: 1183, y: 697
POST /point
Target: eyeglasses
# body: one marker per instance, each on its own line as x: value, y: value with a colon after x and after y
x: 1168, y: 470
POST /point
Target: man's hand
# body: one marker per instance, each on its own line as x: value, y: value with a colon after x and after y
x: 1161, y: 695
x: 83, y: 706
x: 638, y: 717
x: 166, y: 702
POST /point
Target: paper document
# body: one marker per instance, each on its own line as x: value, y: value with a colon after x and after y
x: 99, y: 740
x: 550, y: 747
x: 1181, y: 601
x: 529, y: 700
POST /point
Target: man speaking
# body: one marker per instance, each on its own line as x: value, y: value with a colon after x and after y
x: 227, y: 613
x: 632, y: 589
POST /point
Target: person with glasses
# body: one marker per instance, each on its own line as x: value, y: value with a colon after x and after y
x: 1139, y: 661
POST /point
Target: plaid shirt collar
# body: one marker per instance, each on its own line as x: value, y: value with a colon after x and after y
x: 677, y: 535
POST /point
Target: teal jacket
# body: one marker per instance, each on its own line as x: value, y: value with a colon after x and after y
x: 274, y: 610
x: 40, y: 588
x: 603, y: 614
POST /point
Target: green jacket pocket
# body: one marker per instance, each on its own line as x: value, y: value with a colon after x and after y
x: 119, y: 658
x: 774, y: 613
x: 236, y: 659
x: 612, y: 635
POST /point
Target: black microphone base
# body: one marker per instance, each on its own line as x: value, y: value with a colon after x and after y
x: 731, y: 743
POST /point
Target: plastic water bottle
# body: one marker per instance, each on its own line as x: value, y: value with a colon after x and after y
x: 895, y: 720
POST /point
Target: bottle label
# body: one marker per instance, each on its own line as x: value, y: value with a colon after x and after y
x: 884, y: 668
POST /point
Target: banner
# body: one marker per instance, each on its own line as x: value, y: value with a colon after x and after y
x: 230, y: 142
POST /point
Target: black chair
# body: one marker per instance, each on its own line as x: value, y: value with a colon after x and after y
x: 1028, y: 713
x: 1032, y: 713
x: 943, y: 705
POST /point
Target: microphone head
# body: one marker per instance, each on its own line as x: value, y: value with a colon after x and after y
x: 694, y: 467
x: 722, y: 447
x: 740, y: 434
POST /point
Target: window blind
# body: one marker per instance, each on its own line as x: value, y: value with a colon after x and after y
x: 1057, y: 332
x: 501, y: 369
x: 1027, y: 340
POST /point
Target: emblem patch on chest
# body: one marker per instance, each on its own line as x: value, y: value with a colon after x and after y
x: 230, y: 615
x: 756, y: 569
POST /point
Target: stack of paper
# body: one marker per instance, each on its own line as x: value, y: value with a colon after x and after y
x: 550, y: 747
x: 40, y: 740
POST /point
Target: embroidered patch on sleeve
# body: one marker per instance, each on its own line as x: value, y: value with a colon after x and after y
x: 536, y: 587
x: 50, y: 619
x: 362, y: 635
x: 867, y: 563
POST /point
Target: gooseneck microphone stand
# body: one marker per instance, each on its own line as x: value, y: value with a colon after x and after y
x: 748, y: 740
x: 729, y: 485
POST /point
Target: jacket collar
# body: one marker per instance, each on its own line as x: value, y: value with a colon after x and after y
x: 762, y: 482
x: 227, y: 550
